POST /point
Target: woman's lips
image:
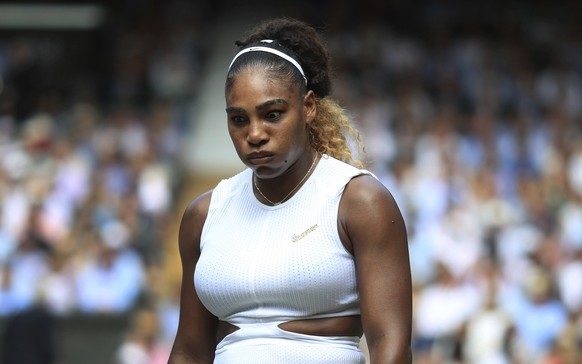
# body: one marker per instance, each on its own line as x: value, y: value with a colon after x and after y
x: 259, y: 158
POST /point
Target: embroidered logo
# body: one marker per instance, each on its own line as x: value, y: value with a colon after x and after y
x: 297, y: 237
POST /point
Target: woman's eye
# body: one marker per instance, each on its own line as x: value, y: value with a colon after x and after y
x: 273, y: 115
x: 237, y: 120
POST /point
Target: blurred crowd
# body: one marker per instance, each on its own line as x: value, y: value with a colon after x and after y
x: 476, y: 128
x: 90, y: 170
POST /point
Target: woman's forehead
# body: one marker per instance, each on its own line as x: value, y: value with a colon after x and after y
x: 257, y: 80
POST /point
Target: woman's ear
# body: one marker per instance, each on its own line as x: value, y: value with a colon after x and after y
x: 310, y: 106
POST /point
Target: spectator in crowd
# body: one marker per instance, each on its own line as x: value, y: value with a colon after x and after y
x: 114, y: 277
x: 142, y: 344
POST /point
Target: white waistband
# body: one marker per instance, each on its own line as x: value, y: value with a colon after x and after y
x: 271, y: 333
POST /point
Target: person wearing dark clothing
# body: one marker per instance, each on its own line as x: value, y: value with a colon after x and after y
x: 29, y: 337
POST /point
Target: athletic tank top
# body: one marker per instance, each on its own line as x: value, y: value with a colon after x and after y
x: 262, y: 263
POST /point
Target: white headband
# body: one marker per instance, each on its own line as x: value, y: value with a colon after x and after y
x: 273, y: 51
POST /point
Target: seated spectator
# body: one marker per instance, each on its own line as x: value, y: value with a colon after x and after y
x: 112, y: 280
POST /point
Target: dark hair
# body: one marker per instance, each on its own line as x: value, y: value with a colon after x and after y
x: 298, y: 40
x: 302, y: 42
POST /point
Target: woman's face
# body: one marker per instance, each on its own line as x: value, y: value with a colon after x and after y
x: 268, y: 122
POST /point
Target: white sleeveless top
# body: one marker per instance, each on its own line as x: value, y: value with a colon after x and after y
x: 262, y: 263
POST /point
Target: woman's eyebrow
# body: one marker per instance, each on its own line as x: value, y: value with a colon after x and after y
x: 236, y: 110
x: 240, y: 110
x: 270, y: 103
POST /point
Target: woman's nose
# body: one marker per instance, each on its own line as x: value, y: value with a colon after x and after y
x: 256, y: 134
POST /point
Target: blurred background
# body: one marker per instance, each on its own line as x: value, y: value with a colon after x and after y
x: 111, y: 121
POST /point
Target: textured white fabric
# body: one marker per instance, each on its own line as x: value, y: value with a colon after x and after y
x: 267, y: 264
x: 266, y: 343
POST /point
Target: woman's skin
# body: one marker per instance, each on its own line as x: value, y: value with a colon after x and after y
x: 268, y: 122
x: 268, y: 125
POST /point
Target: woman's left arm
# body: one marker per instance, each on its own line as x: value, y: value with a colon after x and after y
x: 372, y: 223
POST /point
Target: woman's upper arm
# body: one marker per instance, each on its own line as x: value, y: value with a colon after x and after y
x: 196, y: 337
x: 376, y: 231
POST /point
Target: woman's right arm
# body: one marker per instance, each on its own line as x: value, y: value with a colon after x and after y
x: 195, y: 340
